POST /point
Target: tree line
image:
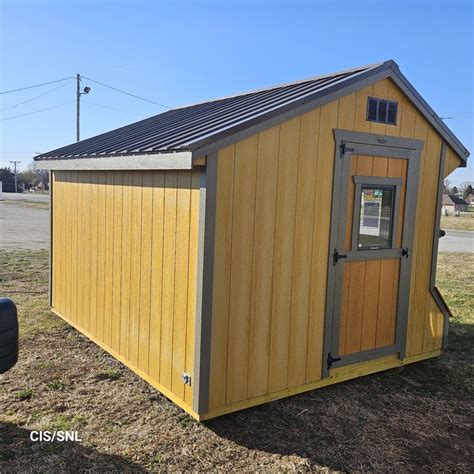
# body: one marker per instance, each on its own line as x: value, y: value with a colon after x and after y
x: 30, y: 179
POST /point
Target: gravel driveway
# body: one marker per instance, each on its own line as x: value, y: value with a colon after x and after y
x: 23, y: 226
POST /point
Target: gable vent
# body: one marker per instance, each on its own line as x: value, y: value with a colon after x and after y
x: 382, y: 111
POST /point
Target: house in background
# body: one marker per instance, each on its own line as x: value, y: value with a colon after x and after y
x: 452, y: 205
x: 470, y: 199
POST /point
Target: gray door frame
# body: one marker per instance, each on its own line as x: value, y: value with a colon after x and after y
x: 348, y: 143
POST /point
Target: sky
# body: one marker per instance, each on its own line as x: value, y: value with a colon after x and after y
x: 177, y: 52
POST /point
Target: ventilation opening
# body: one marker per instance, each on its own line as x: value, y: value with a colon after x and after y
x: 382, y: 111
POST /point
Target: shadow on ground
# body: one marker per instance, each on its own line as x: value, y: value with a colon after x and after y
x: 18, y: 451
x: 416, y: 418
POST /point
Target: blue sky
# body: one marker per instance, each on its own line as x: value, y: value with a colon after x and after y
x: 183, y: 52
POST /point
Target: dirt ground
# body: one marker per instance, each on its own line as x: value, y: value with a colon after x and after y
x: 418, y: 419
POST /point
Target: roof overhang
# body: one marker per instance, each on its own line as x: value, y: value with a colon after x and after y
x: 156, y: 161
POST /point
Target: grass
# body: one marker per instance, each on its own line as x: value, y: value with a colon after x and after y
x: 109, y: 374
x: 29, y: 203
x: 418, y: 419
x: 465, y: 221
x: 25, y: 394
x: 55, y: 384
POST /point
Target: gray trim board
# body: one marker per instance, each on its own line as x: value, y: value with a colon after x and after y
x: 429, y: 113
x: 406, y: 149
x: 366, y: 355
x: 377, y: 180
x: 157, y: 161
x: 435, y: 293
x: 359, y: 255
x: 50, y: 243
x: 202, y: 349
x: 364, y: 138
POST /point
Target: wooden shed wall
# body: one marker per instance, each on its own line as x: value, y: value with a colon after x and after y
x: 271, y: 248
x: 124, y: 263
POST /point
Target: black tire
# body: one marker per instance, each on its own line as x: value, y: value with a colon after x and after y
x: 11, y: 348
x: 8, y: 315
x: 6, y: 337
x: 6, y: 363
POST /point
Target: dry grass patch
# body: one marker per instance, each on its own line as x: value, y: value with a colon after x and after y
x: 418, y: 419
x: 465, y: 221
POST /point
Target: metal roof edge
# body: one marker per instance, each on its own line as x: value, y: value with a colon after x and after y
x: 42, y: 157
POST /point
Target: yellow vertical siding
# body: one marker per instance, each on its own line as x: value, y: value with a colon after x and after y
x: 125, y: 267
x: 271, y: 247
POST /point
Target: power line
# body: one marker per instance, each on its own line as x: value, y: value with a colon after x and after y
x: 36, y: 85
x: 36, y: 97
x: 37, y: 111
x: 111, y: 108
x: 127, y: 93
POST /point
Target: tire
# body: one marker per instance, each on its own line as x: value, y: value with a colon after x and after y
x: 8, y: 315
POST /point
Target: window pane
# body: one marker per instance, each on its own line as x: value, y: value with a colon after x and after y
x: 382, y: 111
x: 372, y: 112
x: 375, y: 226
x: 392, y: 113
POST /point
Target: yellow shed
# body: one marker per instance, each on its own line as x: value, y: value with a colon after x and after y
x: 257, y: 246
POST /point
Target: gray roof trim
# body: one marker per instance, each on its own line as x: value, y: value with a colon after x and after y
x: 328, y: 94
x: 428, y: 112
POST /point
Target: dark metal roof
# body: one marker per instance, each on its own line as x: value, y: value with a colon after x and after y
x: 450, y: 199
x: 187, y: 128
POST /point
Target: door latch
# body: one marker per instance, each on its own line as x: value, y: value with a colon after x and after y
x: 337, y: 256
x: 332, y: 359
x: 345, y: 149
x: 405, y: 253
x: 186, y: 378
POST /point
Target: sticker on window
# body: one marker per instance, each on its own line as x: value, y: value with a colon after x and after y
x: 375, y: 218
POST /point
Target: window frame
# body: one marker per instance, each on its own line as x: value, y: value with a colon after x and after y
x: 378, y: 100
x: 378, y: 182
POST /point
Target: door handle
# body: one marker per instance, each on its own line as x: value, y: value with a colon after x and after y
x: 405, y: 253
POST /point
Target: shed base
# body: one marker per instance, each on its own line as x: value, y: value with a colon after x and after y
x: 340, y: 374
x: 163, y: 390
x: 337, y: 375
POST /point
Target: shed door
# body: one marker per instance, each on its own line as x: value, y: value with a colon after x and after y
x: 370, y: 262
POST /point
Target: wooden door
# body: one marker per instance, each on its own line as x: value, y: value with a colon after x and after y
x: 374, y: 204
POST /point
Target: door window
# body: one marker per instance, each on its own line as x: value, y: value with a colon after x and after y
x: 376, y: 217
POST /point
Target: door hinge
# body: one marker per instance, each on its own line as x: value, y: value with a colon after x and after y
x: 345, y: 149
x: 332, y: 359
x: 336, y: 256
x: 405, y: 253
x: 186, y: 378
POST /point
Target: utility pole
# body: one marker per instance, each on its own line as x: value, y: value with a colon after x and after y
x: 78, y: 105
x: 14, y: 164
